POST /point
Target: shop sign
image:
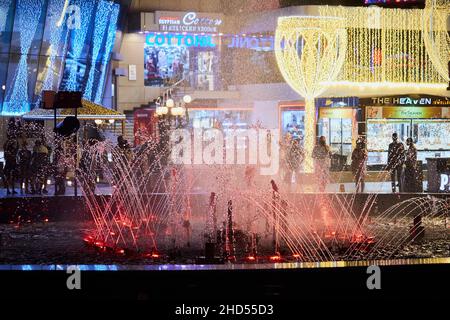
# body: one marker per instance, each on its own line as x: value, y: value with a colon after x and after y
x: 188, y: 40
x: 253, y: 42
x: 407, y: 113
x: 406, y: 101
x: 189, y: 21
x: 445, y: 182
x: 336, y: 113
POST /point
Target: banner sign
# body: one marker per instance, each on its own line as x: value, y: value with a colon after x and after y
x: 408, y: 113
x: 406, y: 101
x: 336, y: 113
x: 201, y: 22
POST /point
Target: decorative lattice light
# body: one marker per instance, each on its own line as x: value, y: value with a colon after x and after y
x: 79, y: 39
x: 386, y: 46
x: 110, y: 37
x: 101, y: 22
x: 310, y: 52
x: 436, y: 36
x: 56, y: 35
x: 28, y: 15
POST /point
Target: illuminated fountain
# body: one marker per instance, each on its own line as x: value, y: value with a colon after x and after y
x: 160, y: 209
x: 167, y: 211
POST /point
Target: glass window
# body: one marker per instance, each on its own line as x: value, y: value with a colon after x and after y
x: 432, y: 134
x: 293, y: 122
x: 379, y: 132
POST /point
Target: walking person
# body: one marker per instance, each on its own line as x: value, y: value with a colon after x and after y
x: 11, y: 147
x: 359, y: 165
x: 411, y: 167
x: 322, y: 159
x: 396, y: 159
x: 24, y: 164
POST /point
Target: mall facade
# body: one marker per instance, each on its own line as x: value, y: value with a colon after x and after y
x: 229, y: 67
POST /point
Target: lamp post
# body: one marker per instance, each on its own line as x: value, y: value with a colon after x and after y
x: 170, y: 116
x: 169, y: 110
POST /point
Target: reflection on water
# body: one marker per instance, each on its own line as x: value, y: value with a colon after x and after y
x: 265, y: 266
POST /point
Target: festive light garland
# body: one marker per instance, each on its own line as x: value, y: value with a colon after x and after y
x: 56, y: 33
x: 28, y: 15
x: 86, y: 8
x: 435, y: 34
x: 387, y: 47
x: 111, y: 35
x: 101, y: 22
x: 4, y: 8
x: 310, y: 51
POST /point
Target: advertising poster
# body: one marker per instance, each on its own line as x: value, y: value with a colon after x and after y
x: 165, y: 65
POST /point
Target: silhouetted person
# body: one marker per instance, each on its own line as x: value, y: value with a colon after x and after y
x: 359, y: 165
x: 11, y: 147
x: 322, y: 155
x: 24, y: 164
x: 60, y: 168
x: 411, y: 167
x: 39, y: 166
x: 396, y: 159
x: 295, y: 158
x: 47, y: 166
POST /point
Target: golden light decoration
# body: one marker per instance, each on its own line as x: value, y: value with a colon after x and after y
x: 436, y: 36
x: 386, y: 47
x: 310, y: 52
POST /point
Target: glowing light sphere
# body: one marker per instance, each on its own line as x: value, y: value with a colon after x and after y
x: 310, y: 52
x: 187, y: 99
x: 437, y: 40
x: 170, y: 103
x: 177, y: 111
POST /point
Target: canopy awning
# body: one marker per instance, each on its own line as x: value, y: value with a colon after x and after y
x: 88, y: 111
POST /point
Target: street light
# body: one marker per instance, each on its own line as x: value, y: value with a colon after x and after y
x: 187, y: 99
x: 170, y: 103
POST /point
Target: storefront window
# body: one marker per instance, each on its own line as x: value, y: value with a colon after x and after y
x: 379, y: 136
x: 338, y: 133
x: 220, y: 119
x: 430, y: 137
x: 205, y: 70
x: 432, y: 134
x: 293, y: 123
x: 165, y: 64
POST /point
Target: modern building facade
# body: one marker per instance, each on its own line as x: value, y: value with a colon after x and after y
x: 54, y: 45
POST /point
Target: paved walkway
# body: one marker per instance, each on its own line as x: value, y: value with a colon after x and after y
x: 104, y: 189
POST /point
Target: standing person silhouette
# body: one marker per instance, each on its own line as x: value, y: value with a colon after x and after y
x: 24, y: 164
x: 322, y: 158
x: 11, y: 147
x: 396, y: 159
x: 359, y: 165
x: 411, y: 167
